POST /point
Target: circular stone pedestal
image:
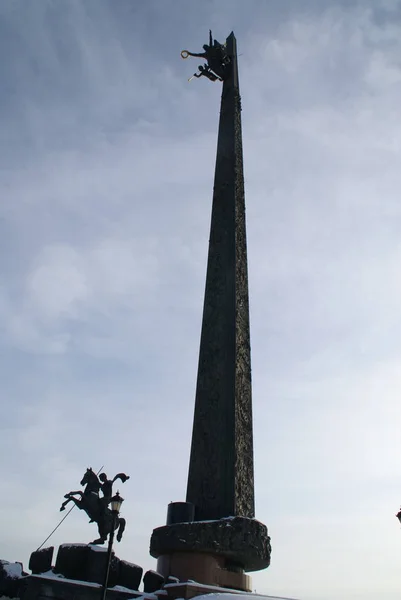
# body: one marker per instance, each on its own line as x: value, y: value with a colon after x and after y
x: 212, y: 552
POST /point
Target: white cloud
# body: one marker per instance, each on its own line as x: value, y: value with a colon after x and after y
x: 56, y: 284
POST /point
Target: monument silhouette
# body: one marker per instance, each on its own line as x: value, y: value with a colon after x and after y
x: 213, y: 537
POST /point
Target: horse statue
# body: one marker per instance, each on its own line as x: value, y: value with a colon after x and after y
x: 95, y: 507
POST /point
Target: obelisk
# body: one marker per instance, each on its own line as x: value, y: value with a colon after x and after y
x: 213, y: 537
x: 220, y: 479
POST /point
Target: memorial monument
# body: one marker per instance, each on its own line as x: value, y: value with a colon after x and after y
x: 213, y: 538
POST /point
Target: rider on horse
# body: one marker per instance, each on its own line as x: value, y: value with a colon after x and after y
x: 97, y: 508
x: 107, y: 488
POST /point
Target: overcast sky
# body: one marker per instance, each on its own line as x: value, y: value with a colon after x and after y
x: 107, y: 156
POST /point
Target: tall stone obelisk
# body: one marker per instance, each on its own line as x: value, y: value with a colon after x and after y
x: 213, y: 537
x: 220, y: 479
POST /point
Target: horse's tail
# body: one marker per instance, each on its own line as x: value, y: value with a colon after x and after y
x: 121, y: 527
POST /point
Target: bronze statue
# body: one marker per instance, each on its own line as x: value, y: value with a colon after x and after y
x: 205, y: 71
x: 218, y: 62
x: 95, y: 507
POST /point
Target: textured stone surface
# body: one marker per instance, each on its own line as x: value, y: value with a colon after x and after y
x: 41, y: 560
x: 220, y: 479
x: 52, y: 588
x: 71, y: 561
x: 87, y: 563
x: 11, y: 579
x: 130, y: 575
x: 152, y: 582
x: 79, y: 574
x: 242, y: 541
x: 95, y: 568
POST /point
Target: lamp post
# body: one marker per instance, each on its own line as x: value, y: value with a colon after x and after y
x: 115, y: 505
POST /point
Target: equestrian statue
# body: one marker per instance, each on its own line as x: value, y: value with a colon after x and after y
x: 96, y: 507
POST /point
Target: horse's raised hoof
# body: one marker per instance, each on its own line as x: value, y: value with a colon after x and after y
x: 119, y: 536
x: 97, y: 542
x: 66, y: 495
x: 62, y: 508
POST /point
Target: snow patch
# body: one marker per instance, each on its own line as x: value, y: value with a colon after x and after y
x: 231, y: 595
x: 51, y: 575
x: 121, y: 588
x: 97, y: 548
x: 13, y: 570
x: 234, y: 596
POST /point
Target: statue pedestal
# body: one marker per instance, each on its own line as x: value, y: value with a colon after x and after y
x: 48, y: 587
x: 79, y: 573
x: 215, y: 553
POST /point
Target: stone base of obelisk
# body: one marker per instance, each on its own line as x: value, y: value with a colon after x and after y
x: 216, y: 553
x: 203, y: 568
x: 188, y: 590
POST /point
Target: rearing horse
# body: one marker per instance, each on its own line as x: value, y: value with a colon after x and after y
x: 90, y: 502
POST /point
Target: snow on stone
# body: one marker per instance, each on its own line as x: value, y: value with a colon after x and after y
x: 121, y: 588
x: 51, y: 575
x: 97, y: 548
x: 234, y: 596
x: 94, y: 547
x: 231, y: 595
x: 206, y: 586
x: 13, y: 570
